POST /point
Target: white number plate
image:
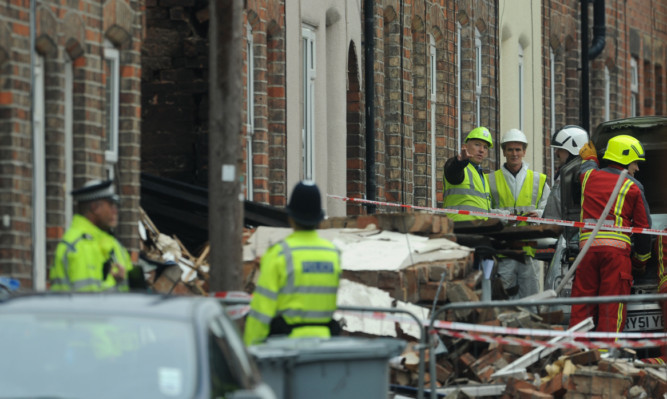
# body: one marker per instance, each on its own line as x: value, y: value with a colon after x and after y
x: 644, y: 322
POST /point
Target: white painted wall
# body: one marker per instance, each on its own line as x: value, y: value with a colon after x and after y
x: 332, y: 43
x: 521, y: 23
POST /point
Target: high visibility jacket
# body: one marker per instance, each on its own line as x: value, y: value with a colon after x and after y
x: 527, y: 192
x: 472, y: 194
x: 629, y: 208
x: 80, y: 258
x: 298, y: 281
x: 119, y: 256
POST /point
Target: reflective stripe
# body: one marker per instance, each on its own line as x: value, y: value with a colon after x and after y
x: 289, y: 267
x: 260, y: 316
x: 312, y: 290
x: 536, y: 191
x: 76, y: 285
x: 267, y: 293
x: 307, y: 314
x: 606, y: 242
x: 493, y: 186
x: 619, y: 319
x: 71, y: 247
x: 465, y: 191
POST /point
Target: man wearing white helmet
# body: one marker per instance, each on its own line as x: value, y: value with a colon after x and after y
x: 567, y: 143
x: 521, y: 191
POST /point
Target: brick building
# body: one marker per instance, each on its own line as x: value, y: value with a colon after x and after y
x: 439, y: 68
x: 626, y: 79
x: 310, y: 122
x: 70, y: 106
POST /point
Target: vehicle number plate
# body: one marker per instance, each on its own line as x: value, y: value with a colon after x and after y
x: 644, y: 322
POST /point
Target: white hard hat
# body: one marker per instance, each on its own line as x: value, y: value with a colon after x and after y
x: 570, y: 138
x: 514, y: 135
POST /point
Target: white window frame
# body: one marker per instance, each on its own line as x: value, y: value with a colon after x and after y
x: 308, y: 61
x: 634, y: 87
x: 607, y: 93
x: 250, y: 112
x: 520, y: 89
x: 552, y: 111
x: 433, y: 68
x: 458, y: 88
x: 478, y: 76
x: 69, y: 138
x: 39, y: 176
x: 112, y: 56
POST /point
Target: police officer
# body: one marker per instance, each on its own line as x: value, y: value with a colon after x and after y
x: 89, y: 258
x: 606, y: 269
x: 520, y: 191
x: 298, y: 282
x: 465, y: 185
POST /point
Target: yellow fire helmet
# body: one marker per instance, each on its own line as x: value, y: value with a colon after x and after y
x: 624, y: 149
x: 480, y: 133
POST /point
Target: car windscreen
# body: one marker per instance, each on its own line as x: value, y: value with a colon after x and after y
x: 79, y: 356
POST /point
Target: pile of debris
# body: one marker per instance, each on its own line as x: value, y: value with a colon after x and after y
x: 418, y: 262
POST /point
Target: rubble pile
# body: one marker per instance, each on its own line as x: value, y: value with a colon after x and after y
x: 418, y: 262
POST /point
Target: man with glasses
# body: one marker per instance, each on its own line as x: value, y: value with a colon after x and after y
x: 89, y: 258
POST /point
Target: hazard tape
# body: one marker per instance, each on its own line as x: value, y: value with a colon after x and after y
x: 558, y: 222
x: 499, y: 335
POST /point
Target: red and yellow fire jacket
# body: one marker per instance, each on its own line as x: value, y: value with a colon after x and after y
x: 629, y: 208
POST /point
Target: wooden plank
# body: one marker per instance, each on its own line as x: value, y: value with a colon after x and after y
x: 519, y: 365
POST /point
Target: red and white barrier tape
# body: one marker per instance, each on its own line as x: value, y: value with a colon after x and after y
x: 567, y: 223
x: 482, y: 333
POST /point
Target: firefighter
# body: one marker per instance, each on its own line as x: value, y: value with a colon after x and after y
x: 89, y: 258
x: 465, y: 185
x: 298, y: 281
x: 520, y: 191
x: 606, y: 269
x: 567, y: 142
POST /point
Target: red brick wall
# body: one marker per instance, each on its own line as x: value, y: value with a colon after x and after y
x: 76, y: 30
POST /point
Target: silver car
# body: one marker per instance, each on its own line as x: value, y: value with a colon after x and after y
x: 122, y: 346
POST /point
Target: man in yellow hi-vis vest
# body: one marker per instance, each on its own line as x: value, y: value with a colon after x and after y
x: 464, y: 182
x: 298, y: 282
x: 89, y: 258
x: 520, y: 191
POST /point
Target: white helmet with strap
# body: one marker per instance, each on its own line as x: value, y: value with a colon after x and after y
x: 570, y: 138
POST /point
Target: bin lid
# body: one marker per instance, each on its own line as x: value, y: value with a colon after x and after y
x: 306, y: 350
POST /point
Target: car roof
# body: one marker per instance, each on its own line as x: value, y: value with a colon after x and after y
x: 121, y: 304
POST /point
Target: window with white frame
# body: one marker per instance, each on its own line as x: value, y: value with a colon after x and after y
x: 520, y: 88
x: 69, y: 138
x: 552, y: 96
x: 478, y: 77
x: 39, y: 176
x: 112, y: 90
x: 458, y: 88
x: 634, y: 88
x: 250, y: 112
x: 433, y: 91
x: 308, y: 130
x: 607, y: 92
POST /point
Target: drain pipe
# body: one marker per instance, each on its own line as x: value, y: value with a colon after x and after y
x: 369, y: 62
x: 33, y: 27
x: 589, y: 53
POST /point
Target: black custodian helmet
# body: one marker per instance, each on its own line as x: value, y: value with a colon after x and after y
x: 305, y: 204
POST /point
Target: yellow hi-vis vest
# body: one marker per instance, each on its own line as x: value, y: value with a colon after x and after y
x: 80, y: 258
x: 528, y: 200
x: 298, y: 281
x: 471, y: 195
